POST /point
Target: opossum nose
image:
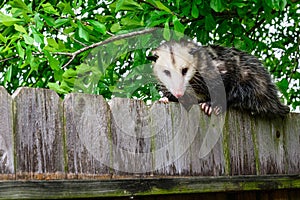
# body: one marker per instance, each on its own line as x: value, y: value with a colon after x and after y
x: 178, y: 94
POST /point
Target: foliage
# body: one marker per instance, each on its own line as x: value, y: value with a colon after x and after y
x: 51, y: 43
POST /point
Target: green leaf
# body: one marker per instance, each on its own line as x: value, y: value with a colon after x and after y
x: 248, y: 42
x: 156, y: 22
x: 132, y: 22
x: 282, y: 4
x: 56, y: 88
x: 20, y: 50
x: 19, y: 4
x: 49, y: 20
x: 203, y: 36
x: 37, y: 38
x: 223, y: 28
x: 156, y: 18
x: 59, y: 22
x: 34, y: 66
x: 217, y: 5
x: 20, y: 28
x: 28, y: 57
x: 115, y: 28
x: 58, y: 75
x: 2, y: 38
x: 54, y: 63
x: 28, y: 40
x: 177, y: 4
x: 239, y: 4
x: 66, y: 8
x: 52, y: 43
x: 276, y: 4
x: 130, y: 5
x: 296, y: 75
x: 161, y: 6
x: 237, y: 29
x: 283, y: 85
x: 186, y: 10
x: 8, y: 20
x: 48, y: 8
x: 68, y: 30
x: 166, y: 32
x: 242, y: 12
x: 195, y: 11
x: 210, y: 23
x: 99, y: 27
x: 70, y: 73
x: 38, y: 22
x: 239, y: 44
x: 8, y: 74
x: 82, y: 32
x: 178, y: 27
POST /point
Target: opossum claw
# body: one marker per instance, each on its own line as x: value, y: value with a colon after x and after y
x: 164, y: 100
x: 217, y: 110
x: 208, y: 110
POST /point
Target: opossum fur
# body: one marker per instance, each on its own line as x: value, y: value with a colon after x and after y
x: 184, y: 66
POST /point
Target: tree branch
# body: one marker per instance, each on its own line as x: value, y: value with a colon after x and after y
x: 111, y: 39
x: 7, y: 59
x: 76, y: 53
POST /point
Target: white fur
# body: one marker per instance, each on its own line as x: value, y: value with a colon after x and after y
x: 182, y: 58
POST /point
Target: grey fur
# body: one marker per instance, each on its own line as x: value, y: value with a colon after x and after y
x: 247, y: 83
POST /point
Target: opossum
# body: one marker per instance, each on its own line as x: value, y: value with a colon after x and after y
x: 185, y: 68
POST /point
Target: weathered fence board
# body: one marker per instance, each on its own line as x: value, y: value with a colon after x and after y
x: 214, y: 163
x: 38, y: 133
x: 6, y: 134
x: 87, y: 130
x: 291, y: 137
x: 84, y: 137
x: 140, y: 187
x: 270, y: 145
x: 131, y: 136
x: 239, y: 136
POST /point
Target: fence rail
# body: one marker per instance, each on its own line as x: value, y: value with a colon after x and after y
x: 83, y: 137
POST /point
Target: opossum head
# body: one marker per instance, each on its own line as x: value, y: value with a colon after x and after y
x: 174, y: 65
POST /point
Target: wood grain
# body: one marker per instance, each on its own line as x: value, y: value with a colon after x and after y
x: 87, y: 135
x: 6, y: 133
x: 142, y: 187
x: 38, y: 132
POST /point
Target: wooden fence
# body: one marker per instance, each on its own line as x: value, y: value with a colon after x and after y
x: 83, y: 146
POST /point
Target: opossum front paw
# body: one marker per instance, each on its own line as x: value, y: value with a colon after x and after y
x: 208, y: 109
x: 164, y: 100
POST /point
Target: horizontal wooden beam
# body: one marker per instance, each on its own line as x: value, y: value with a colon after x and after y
x: 143, y: 186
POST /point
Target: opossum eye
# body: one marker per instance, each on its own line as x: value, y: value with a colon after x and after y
x: 184, y: 71
x: 152, y: 58
x: 167, y: 72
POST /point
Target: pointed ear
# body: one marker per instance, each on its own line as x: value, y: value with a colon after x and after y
x: 152, y: 58
x: 193, y: 51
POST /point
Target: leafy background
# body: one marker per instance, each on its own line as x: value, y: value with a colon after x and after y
x: 59, y: 44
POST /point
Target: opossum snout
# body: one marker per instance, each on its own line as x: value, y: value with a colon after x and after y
x: 178, y: 93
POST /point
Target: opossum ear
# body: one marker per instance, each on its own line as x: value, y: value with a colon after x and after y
x: 193, y: 51
x: 152, y: 58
